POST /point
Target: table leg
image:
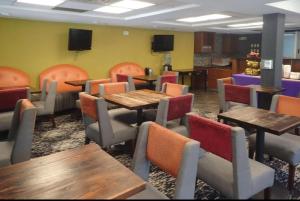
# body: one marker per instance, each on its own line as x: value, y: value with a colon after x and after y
x: 182, y: 78
x: 139, y: 116
x: 260, y: 144
x: 205, y: 80
x: 83, y: 87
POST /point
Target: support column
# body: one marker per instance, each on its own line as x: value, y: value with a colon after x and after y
x: 272, y: 48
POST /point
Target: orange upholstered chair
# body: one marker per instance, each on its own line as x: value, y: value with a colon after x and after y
x: 127, y: 68
x: 62, y: 73
x: 13, y: 78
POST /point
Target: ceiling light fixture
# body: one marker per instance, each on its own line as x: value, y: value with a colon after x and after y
x: 112, y: 10
x: 42, y: 3
x: 204, y: 18
x: 132, y: 4
x: 252, y: 24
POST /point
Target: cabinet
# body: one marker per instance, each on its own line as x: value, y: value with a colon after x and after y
x: 204, y: 42
x: 229, y: 44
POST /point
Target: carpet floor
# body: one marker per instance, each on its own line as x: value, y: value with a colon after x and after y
x: 69, y: 134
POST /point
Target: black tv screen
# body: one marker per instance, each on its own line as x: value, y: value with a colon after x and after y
x: 162, y: 43
x: 80, y: 39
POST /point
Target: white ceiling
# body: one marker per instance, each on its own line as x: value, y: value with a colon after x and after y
x: 161, y: 16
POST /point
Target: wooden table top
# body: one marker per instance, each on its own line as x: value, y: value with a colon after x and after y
x: 184, y: 70
x: 270, y: 90
x: 262, y: 119
x: 138, y: 99
x: 76, y: 82
x: 84, y: 173
x: 148, y: 78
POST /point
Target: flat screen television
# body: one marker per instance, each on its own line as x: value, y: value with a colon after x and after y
x: 80, y: 39
x: 162, y: 43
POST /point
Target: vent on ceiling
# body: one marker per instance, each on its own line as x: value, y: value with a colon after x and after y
x: 70, y: 9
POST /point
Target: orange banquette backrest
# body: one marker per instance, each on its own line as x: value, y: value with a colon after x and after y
x: 13, y: 78
x: 62, y: 73
x: 127, y: 68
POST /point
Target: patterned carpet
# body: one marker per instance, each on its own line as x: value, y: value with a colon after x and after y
x: 69, y: 134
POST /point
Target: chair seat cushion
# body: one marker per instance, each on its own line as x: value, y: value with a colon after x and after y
x: 5, y: 120
x: 149, y: 193
x: 149, y: 114
x: 218, y: 173
x: 5, y: 153
x: 175, y: 126
x: 122, y: 132
x: 40, y: 105
x: 285, y: 147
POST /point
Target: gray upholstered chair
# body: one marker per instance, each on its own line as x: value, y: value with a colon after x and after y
x: 224, y: 162
x: 234, y: 96
x: 170, y: 78
x: 92, y: 87
x: 9, y: 98
x: 126, y: 78
x: 104, y: 127
x: 172, y: 112
x: 18, y: 147
x: 46, y: 105
x: 155, y: 144
x: 286, y: 147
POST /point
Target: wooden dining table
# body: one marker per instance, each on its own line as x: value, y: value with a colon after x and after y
x: 136, y: 100
x: 77, y: 83
x: 150, y: 79
x: 263, y: 121
x: 82, y: 173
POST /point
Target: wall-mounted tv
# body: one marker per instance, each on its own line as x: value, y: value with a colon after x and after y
x: 162, y: 43
x: 80, y: 39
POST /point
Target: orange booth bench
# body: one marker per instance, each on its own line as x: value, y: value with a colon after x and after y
x: 13, y: 78
x: 127, y: 68
x: 66, y: 94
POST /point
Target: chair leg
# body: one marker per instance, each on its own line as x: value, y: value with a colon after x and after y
x: 297, y: 131
x: 292, y: 170
x: 53, y: 120
x: 251, y: 153
x: 87, y: 140
x: 267, y: 193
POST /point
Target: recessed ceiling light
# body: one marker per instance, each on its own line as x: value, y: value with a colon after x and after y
x: 290, y: 5
x: 252, y: 24
x: 42, y: 3
x: 204, y: 18
x: 112, y: 9
x: 132, y: 4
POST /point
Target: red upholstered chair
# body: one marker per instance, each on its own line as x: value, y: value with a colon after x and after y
x: 235, y: 96
x: 224, y: 163
x: 9, y: 98
x: 172, y: 112
x: 126, y: 78
x: 164, y: 79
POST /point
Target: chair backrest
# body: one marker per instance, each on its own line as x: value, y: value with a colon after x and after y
x: 92, y: 86
x: 221, y: 90
x: 49, y: 91
x: 9, y: 97
x: 228, y: 143
x: 113, y: 88
x: 128, y: 68
x: 21, y: 132
x: 62, y: 73
x: 164, y: 79
x: 93, y: 110
x: 171, y: 73
x: 13, y: 78
x: 174, y: 108
x: 286, y: 105
x: 156, y: 143
x: 174, y: 89
x: 126, y: 78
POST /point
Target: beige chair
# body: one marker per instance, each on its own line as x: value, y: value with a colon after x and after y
x: 224, y: 162
x: 286, y: 147
x: 46, y: 104
x: 171, y: 152
x: 18, y: 147
x: 102, y: 126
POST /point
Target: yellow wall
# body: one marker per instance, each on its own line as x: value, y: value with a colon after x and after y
x: 33, y: 46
